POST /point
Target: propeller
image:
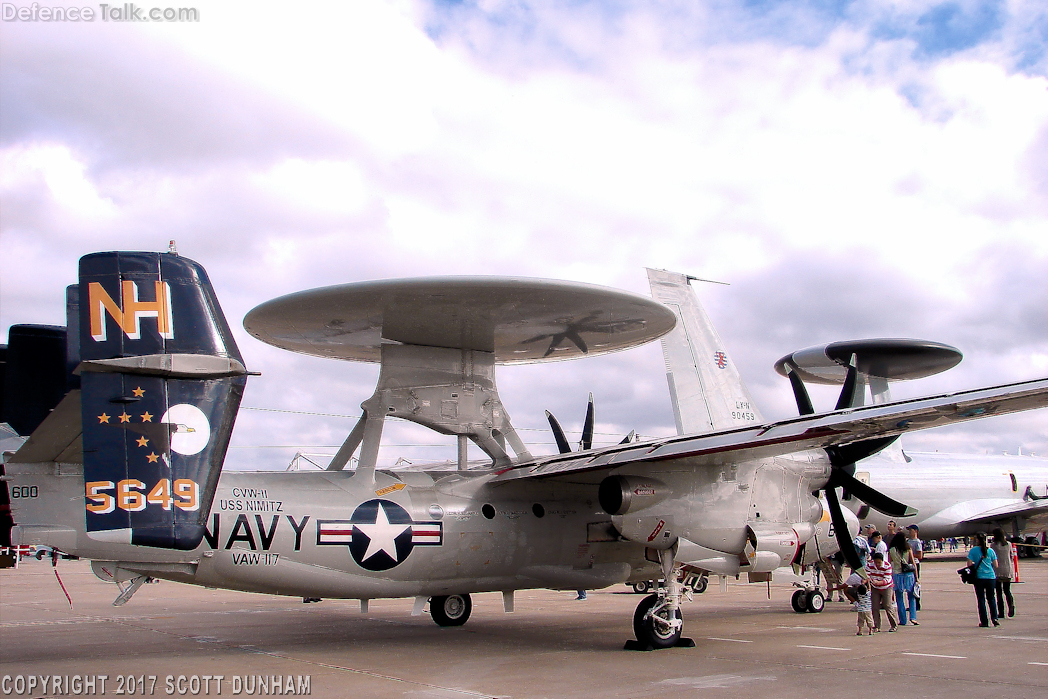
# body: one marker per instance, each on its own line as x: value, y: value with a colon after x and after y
x: 587, y: 427
x: 587, y: 431
x: 842, y: 461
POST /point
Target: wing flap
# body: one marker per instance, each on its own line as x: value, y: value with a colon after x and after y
x: 799, y: 434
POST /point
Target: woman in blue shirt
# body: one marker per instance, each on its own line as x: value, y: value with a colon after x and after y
x: 984, y: 561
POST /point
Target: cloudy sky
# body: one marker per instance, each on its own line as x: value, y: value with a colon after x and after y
x: 852, y: 169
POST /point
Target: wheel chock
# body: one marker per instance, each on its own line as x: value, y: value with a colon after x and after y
x: 634, y: 644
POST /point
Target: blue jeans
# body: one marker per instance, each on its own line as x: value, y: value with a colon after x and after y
x: 984, y: 592
x: 903, y: 583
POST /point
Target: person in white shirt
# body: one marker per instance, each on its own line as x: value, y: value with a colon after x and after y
x: 877, y: 544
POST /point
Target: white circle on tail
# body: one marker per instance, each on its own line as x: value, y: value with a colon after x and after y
x: 192, y: 430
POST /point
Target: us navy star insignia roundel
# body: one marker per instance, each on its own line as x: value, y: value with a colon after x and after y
x: 380, y: 534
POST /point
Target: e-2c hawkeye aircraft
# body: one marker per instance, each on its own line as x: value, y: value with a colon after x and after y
x: 127, y: 469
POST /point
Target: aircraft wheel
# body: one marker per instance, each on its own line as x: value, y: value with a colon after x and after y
x: 653, y: 629
x: 450, y: 610
x: 699, y: 586
x: 815, y: 602
x: 799, y: 601
x: 641, y: 587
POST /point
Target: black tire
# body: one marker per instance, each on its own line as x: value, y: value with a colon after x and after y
x: 699, y: 586
x: 641, y: 587
x: 450, y: 610
x: 799, y: 601
x: 815, y: 602
x: 651, y: 633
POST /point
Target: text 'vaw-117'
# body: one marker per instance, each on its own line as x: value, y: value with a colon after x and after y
x: 127, y: 468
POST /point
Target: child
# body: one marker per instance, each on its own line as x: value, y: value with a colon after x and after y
x: 864, y: 606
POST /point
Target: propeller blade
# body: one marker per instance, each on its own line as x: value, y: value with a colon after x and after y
x: 847, y: 454
x: 587, y: 427
x: 558, y: 434
x: 629, y: 438
x: 804, y: 406
x: 851, y: 396
x: 840, y: 529
x: 874, y: 498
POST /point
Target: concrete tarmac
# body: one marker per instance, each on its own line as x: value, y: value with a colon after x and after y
x: 551, y: 646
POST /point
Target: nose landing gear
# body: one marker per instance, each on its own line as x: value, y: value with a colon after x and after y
x: 811, y: 601
x: 658, y: 622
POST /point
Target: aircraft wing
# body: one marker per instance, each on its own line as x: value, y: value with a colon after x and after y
x: 1028, y: 510
x: 797, y: 434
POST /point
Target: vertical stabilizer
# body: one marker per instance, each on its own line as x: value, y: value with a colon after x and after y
x: 705, y: 387
x: 161, y: 382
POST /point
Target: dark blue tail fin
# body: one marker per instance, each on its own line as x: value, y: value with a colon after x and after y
x: 161, y: 382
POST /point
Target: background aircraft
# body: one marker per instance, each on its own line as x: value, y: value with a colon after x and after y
x: 952, y: 494
x: 127, y: 468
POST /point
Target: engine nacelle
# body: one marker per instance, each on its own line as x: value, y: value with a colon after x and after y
x: 619, y: 495
x: 768, y: 549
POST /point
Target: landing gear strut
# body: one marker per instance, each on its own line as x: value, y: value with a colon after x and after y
x: 658, y: 622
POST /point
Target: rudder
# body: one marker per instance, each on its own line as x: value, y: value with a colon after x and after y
x: 706, y: 390
x: 161, y: 382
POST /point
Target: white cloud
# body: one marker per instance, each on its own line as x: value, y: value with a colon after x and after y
x: 846, y: 185
x: 53, y: 166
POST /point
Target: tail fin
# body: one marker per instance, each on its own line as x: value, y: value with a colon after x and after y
x: 705, y: 387
x: 161, y: 382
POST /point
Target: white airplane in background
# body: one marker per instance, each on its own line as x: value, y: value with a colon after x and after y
x: 954, y: 494
x: 948, y: 495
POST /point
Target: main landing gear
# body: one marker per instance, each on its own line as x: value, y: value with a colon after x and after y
x: 450, y: 610
x: 658, y: 622
x: 808, y: 601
